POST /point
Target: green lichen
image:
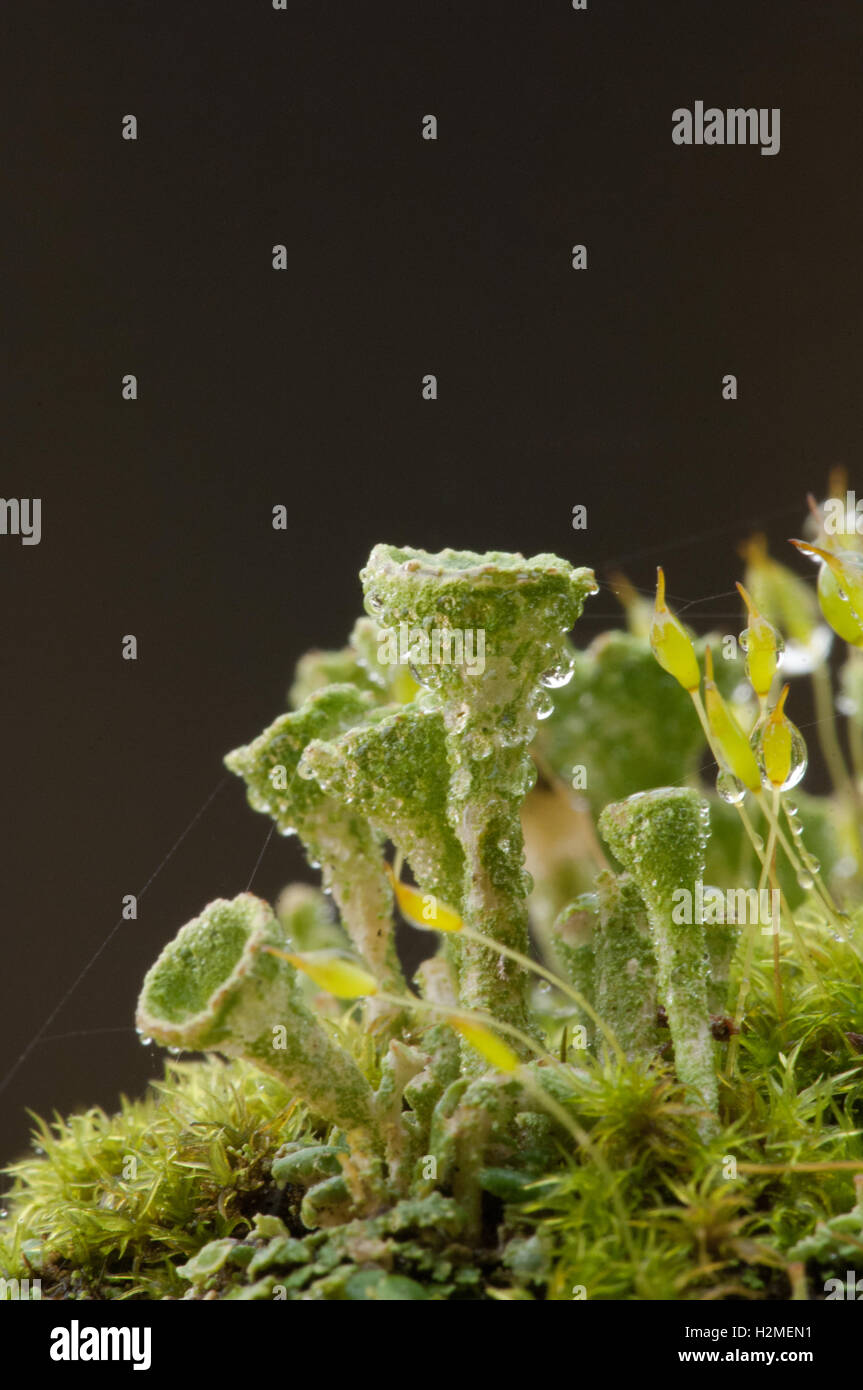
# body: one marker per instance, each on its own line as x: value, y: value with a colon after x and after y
x: 342, y: 842
x: 362, y: 1149
x: 522, y: 609
x: 218, y: 986
x: 660, y: 837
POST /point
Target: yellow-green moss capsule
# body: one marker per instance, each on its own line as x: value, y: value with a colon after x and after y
x: 780, y: 749
x: 671, y: 643
x: 840, y: 590
x: 763, y: 646
x: 423, y: 910
x: 847, y: 570
x: 332, y: 971
x: 487, y: 1044
x: 837, y: 610
x: 783, y: 596
x: 730, y: 740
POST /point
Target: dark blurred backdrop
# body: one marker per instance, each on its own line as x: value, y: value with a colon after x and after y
x: 406, y: 257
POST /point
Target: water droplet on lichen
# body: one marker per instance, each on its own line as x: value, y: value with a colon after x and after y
x: 543, y: 705
x: 560, y: 673
x: 421, y: 675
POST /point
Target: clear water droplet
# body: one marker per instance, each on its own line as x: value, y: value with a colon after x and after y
x: 422, y: 676
x: 543, y: 705
x: 794, y: 758
x: 459, y: 720
x: 560, y: 673
x: 374, y: 604
x: 730, y: 788
x: 805, y: 880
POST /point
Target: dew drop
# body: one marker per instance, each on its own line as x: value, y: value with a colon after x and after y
x: 805, y: 880
x: 528, y: 779
x: 543, y: 705
x: 730, y: 788
x: 560, y: 673
x: 794, y: 757
x: 421, y: 677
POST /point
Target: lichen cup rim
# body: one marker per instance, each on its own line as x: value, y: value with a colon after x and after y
x: 200, y: 1027
x: 506, y: 569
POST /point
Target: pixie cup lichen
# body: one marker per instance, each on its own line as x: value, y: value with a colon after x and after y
x: 660, y: 837
x: 518, y: 611
x: 339, y: 840
x: 218, y: 987
x: 533, y: 1111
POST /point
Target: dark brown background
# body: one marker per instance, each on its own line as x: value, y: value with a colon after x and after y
x: 256, y: 388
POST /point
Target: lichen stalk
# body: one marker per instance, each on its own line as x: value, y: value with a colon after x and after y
x: 519, y: 609
x: 660, y: 837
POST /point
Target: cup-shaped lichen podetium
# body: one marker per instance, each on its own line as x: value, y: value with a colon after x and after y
x: 660, y: 837
x: 334, y: 835
x: 484, y: 634
x: 216, y: 987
